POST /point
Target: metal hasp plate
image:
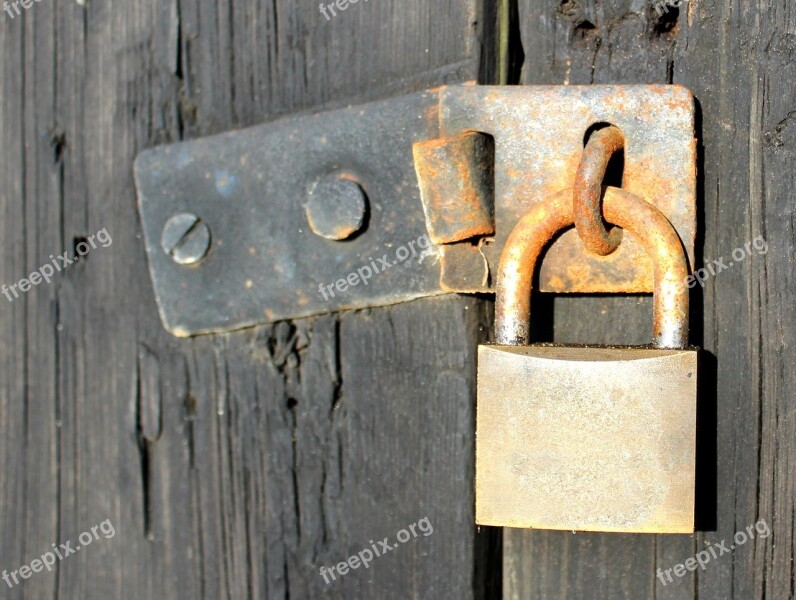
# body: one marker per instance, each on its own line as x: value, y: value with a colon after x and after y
x: 320, y: 213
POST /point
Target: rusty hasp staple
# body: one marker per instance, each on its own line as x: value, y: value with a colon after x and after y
x: 456, y: 177
x: 587, y: 195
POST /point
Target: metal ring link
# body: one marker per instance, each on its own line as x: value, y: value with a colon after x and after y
x: 587, y: 193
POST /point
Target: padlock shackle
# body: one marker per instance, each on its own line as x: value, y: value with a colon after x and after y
x: 648, y: 225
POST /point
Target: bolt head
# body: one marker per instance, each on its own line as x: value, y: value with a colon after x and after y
x: 336, y: 208
x: 185, y: 238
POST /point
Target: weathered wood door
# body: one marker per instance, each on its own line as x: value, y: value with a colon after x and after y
x: 237, y: 465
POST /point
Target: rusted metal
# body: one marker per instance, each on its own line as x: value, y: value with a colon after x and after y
x: 649, y: 226
x: 464, y: 267
x: 456, y: 177
x: 587, y: 194
x: 539, y: 133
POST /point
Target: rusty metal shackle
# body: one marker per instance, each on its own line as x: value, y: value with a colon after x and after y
x: 649, y: 225
x: 586, y: 196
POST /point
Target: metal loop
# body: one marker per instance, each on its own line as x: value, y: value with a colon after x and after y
x: 602, y: 145
x: 648, y: 225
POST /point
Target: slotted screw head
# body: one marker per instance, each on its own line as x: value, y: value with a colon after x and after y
x: 186, y: 239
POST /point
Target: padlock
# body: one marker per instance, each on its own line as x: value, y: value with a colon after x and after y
x: 588, y: 438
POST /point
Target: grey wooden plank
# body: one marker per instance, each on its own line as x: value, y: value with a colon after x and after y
x: 28, y: 478
x: 231, y: 466
x: 743, y: 318
x: 748, y: 101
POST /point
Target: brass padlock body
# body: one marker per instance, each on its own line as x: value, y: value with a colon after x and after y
x: 588, y: 439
